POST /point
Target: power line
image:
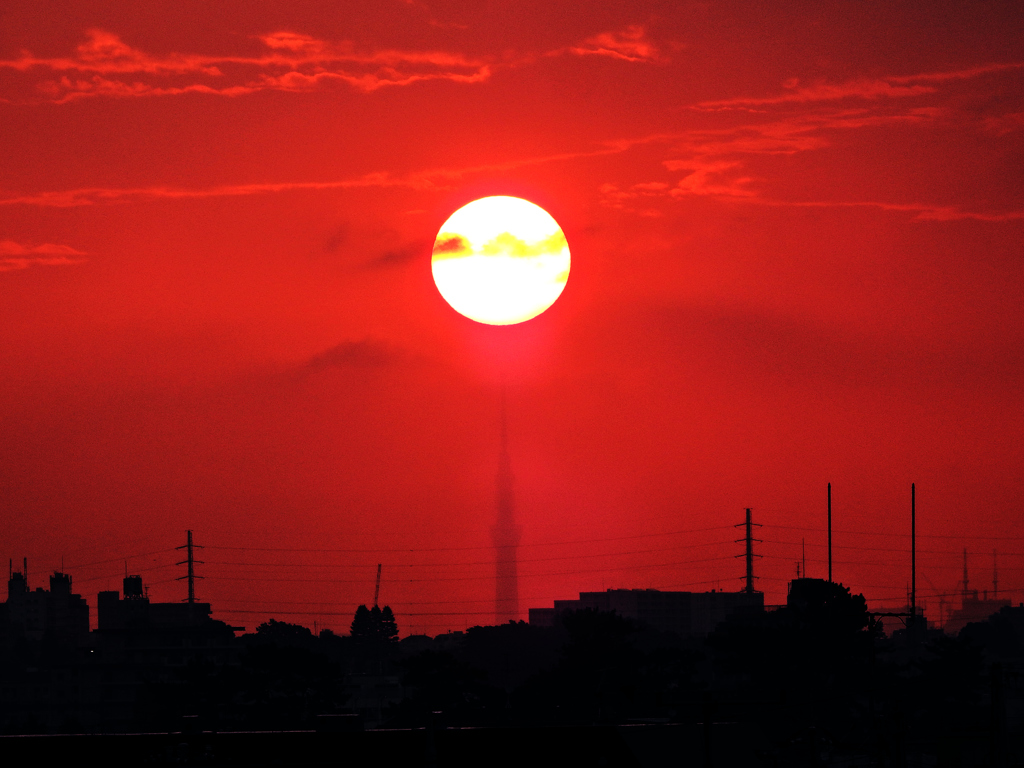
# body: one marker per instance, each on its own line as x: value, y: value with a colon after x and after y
x: 471, y: 562
x: 401, y: 602
x: 871, y: 549
x: 479, y: 578
x: 117, y: 573
x: 122, y: 559
x: 958, y: 537
x: 378, y: 550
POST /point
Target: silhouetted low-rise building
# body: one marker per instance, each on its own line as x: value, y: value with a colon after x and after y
x: 141, y: 643
x: 688, y: 614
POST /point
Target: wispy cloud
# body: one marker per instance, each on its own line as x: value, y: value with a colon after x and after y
x: 400, y: 255
x: 1001, y: 125
x: 70, y: 198
x: 14, y: 256
x: 353, y: 354
x: 104, y: 65
x: 637, y: 198
x: 713, y: 164
x: 797, y: 94
x: 629, y: 44
x: 703, y: 177
x: 431, y: 179
x: 921, y: 211
x: 713, y: 161
x: 886, y: 87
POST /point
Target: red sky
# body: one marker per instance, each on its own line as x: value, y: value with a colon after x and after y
x: 796, y: 237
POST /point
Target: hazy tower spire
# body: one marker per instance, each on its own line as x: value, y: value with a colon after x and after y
x: 505, y: 534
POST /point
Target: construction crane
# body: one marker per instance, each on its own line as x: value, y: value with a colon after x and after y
x: 376, y: 589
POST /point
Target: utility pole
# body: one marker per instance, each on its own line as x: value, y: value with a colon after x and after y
x: 913, y: 554
x: 995, y: 577
x: 191, y: 569
x: 830, y: 532
x: 965, y: 582
x: 749, y: 539
x: 376, y: 590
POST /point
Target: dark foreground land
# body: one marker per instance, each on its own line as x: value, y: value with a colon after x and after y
x: 643, y: 745
x: 568, y: 746
x: 813, y: 683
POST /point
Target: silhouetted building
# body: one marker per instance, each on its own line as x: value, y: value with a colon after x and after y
x: 137, y: 614
x: 973, y: 609
x: 55, y: 615
x: 688, y: 614
x: 47, y: 682
x: 140, y: 643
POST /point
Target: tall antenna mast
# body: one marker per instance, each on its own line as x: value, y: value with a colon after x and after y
x: 830, y: 531
x: 191, y: 568
x: 376, y: 589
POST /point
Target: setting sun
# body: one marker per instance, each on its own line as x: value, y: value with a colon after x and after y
x: 500, y: 260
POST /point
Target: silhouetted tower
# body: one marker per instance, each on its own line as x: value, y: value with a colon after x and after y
x: 505, y: 534
x: 191, y: 568
x: 749, y: 554
x: 376, y: 589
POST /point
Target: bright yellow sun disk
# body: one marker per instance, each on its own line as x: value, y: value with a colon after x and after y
x: 500, y: 260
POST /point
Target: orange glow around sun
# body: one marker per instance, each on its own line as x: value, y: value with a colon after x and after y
x: 500, y: 260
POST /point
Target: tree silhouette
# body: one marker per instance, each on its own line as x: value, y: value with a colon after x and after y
x: 374, y: 625
x: 362, y: 624
x: 283, y: 633
x: 388, y: 627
